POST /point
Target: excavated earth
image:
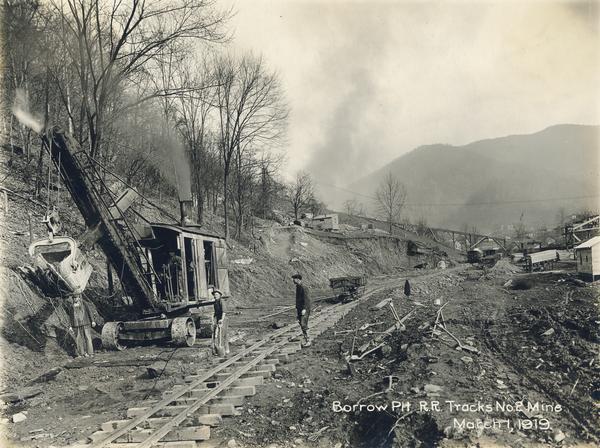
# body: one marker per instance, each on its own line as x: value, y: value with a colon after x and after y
x: 535, y: 346
x: 530, y: 338
x: 48, y: 398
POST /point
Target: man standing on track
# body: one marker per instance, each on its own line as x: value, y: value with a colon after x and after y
x: 220, y: 337
x: 302, y: 307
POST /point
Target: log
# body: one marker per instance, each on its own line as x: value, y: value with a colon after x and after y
x: 20, y: 196
x: 48, y: 376
x: 381, y: 304
x: 156, y: 422
x: 13, y: 397
x: 198, y: 433
x: 387, y: 332
x: 119, y: 363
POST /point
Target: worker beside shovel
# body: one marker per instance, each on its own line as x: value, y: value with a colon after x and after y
x: 82, y: 321
x: 220, y: 339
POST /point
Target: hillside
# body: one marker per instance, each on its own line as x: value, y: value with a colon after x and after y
x: 498, y: 179
x: 34, y: 327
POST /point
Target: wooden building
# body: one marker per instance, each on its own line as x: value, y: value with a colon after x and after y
x: 588, y: 259
x: 326, y: 222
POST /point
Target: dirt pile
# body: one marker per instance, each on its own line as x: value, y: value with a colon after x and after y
x: 504, y: 267
x: 262, y: 273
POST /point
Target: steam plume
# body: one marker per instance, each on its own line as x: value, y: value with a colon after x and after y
x: 183, y: 174
x: 20, y: 109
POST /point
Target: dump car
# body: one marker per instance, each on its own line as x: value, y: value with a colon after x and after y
x: 349, y: 288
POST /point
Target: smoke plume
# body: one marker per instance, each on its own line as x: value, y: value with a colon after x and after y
x: 183, y: 174
x: 20, y: 109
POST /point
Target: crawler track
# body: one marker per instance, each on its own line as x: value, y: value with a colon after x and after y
x: 185, y: 415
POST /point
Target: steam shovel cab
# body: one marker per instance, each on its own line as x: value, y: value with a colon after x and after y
x: 179, y: 263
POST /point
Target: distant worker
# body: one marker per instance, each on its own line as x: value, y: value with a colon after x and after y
x: 220, y: 337
x: 175, y: 268
x: 302, y: 307
x: 81, y: 323
x: 407, y: 288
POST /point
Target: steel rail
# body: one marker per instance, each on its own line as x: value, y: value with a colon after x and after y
x: 223, y: 385
x: 202, y: 378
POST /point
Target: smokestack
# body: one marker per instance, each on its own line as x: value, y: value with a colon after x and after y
x: 185, y: 207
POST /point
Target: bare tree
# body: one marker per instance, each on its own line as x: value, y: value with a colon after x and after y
x: 520, y: 228
x: 390, y: 199
x: 354, y: 208
x: 300, y: 192
x: 192, y: 115
x: 268, y: 187
x: 111, y: 43
x: 251, y: 113
x: 315, y: 206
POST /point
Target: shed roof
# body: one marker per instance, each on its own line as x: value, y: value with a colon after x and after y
x: 190, y: 228
x: 323, y: 217
x: 589, y: 243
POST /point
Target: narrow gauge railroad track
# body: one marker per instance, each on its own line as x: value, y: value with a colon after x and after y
x: 185, y: 415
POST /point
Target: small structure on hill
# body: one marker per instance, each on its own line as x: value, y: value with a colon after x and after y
x: 588, y: 259
x: 484, y: 251
x: 326, y: 222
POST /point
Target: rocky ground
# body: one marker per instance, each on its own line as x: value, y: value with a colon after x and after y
x: 529, y: 339
x: 528, y: 376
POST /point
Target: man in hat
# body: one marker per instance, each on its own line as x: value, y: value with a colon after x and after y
x: 220, y: 336
x: 302, y: 307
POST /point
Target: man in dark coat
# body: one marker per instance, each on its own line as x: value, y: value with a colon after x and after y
x: 81, y: 322
x: 303, y: 306
x: 220, y: 326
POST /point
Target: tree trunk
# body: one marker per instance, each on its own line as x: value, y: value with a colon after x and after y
x: 225, y: 198
x: 40, y: 164
x: 70, y: 111
x: 200, y: 199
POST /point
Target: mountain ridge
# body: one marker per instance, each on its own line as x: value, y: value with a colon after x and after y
x: 560, y: 161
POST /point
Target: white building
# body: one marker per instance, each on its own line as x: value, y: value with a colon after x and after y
x: 326, y: 222
x: 588, y: 259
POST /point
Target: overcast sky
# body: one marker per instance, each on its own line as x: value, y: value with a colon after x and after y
x: 369, y: 81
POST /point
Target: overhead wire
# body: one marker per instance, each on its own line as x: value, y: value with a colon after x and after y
x: 158, y: 207
x: 466, y: 204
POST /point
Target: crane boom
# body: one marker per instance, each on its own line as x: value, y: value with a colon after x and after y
x: 99, y: 208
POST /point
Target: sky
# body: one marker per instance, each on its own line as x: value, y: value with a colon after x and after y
x: 368, y: 81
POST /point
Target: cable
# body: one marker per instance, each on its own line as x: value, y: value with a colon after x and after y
x: 416, y: 204
x: 48, y: 200
x: 166, y: 213
x: 161, y: 372
x: 58, y: 181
